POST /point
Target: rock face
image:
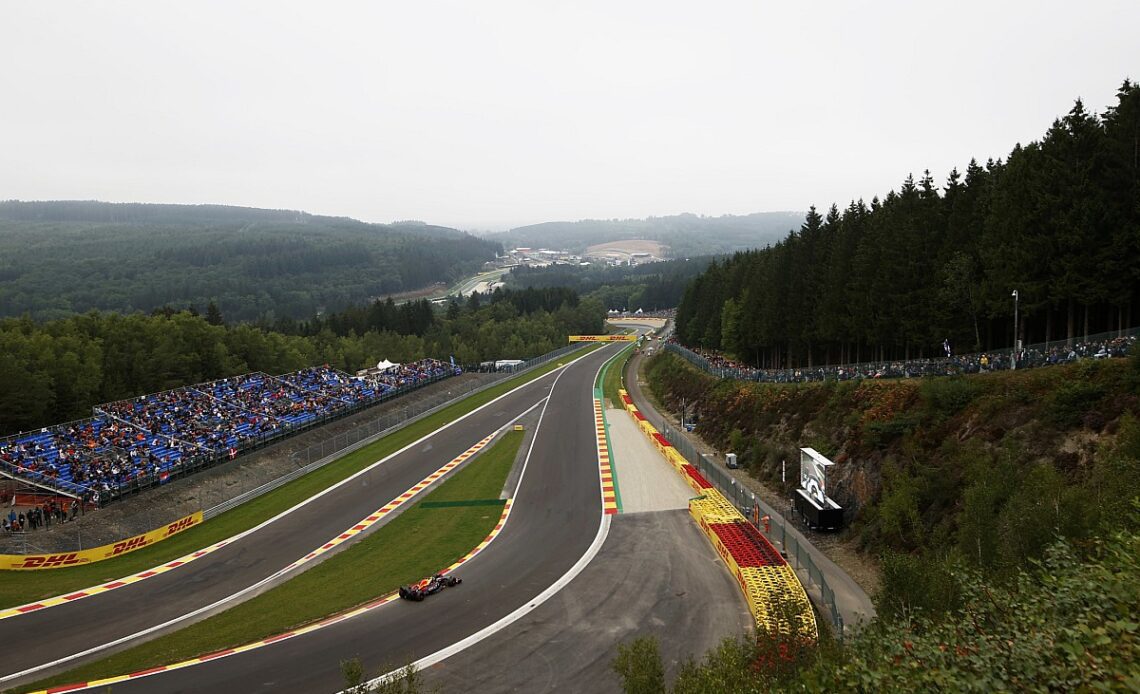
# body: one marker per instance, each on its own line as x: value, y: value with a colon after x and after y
x: 907, y: 451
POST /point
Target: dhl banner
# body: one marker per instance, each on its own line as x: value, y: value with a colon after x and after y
x: 20, y: 562
x: 603, y: 338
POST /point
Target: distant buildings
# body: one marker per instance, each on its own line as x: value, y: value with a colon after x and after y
x: 544, y: 257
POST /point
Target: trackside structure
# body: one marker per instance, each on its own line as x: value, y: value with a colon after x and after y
x: 812, y: 501
x: 775, y: 596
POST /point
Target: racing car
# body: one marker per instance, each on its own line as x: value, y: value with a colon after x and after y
x: 429, y: 586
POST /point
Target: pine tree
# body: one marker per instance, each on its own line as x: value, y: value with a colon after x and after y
x: 214, y: 314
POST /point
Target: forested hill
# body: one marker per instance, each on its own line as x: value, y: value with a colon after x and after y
x: 145, y: 213
x: 67, y: 257
x: 1058, y: 220
x: 651, y: 286
x: 686, y: 235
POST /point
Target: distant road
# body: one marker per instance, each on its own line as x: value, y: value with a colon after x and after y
x: 472, y: 284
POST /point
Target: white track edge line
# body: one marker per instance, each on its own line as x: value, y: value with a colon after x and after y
x: 524, y: 610
x: 223, y: 601
x: 234, y: 538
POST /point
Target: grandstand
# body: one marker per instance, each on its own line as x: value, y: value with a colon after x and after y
x: 142, y: 441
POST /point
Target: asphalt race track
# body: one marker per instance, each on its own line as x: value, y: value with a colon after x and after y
x: 555, y: 517
x: 657, y: 575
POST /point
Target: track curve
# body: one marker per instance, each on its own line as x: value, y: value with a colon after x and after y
x: 555, y: 516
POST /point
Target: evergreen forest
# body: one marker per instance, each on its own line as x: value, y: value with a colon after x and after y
x: 1057, y: 220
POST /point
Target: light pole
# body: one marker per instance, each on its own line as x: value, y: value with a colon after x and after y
x: 684, y: 410
x: 1015, y: 341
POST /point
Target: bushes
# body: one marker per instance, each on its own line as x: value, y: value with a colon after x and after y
x: 975, y: 458
x: 1066, y: 624
x: 638, y: 663
x: 896, y: 516
x: 1067, y: 405
x: 915, y: 585
x: 879, y: 434
x: 946, y: 397
x: 752, y: 663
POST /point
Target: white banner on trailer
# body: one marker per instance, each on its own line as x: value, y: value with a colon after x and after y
x: 813, y: 475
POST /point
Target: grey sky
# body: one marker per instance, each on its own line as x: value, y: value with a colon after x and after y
x: 492, y: 114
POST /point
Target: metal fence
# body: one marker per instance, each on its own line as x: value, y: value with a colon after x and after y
x: 745, y: 501
x: 1099, y: 346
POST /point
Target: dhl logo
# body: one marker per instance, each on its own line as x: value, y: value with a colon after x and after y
x: 724, y: 553
x: 50, y: 561
x: 603, y: 338
x: 129, y: 545
x: 179, y: 526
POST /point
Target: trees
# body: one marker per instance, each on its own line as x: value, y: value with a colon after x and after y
x: 1058, y: 220
x: 56, y: 371
x: 62, y: 258
x: 213, y: 314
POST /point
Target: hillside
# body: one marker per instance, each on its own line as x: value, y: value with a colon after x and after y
x: 685, y: 234
x: 651, y: 286
x: 1003, y: 510
x: 991, y: 467
x: 62, y: 258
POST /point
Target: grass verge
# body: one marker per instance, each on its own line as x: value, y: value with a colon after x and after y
x: 413, y: 545
x: 19, y: 587
x: 611, y: 379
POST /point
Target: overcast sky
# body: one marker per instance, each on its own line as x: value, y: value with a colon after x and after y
x: 493, y: 114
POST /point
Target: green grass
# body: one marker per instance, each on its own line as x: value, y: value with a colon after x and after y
x: 611, y: 379
x: 413, y: 545
x: 19, y: 587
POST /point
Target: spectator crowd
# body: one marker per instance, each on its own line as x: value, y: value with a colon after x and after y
x: 982, y: 362
x: 145, y: 439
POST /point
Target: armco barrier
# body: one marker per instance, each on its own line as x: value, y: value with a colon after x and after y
x: 741, y: 498
x: 775, y: 596
x: 696, y: 479
x: 24, y: 562
x: 704, y: 509
x: 751, y: 548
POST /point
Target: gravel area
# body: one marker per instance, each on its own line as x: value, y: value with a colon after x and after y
x: 154, y: 507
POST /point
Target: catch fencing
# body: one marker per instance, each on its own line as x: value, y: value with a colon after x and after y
x: 1100, y: 346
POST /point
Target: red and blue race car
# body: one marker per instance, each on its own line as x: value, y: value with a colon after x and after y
x: 429, y: 586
